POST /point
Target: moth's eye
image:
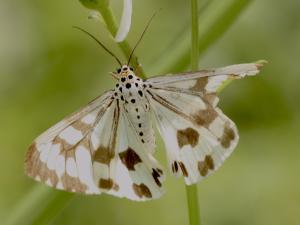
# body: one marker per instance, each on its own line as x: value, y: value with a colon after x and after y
x: 131, y: 68
x: 119, y: 70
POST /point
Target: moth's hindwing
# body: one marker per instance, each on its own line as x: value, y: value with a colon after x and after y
x: 197, y: 135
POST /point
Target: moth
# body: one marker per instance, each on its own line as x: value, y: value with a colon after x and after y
x: 108, y: 146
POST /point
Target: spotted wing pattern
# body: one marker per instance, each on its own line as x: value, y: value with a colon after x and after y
x: 61, y: 156
x: 122, y: 166
x: 108, y: 145
x: 197, y: 135
x: 146, y: 175
x: 95, y: 150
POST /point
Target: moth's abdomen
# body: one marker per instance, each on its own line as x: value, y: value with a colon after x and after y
x: 130, y: 92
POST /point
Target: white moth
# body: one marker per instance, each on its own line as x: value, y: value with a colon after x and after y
x: 108, y: 146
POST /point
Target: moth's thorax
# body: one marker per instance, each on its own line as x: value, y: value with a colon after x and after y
x: 130, y: 90
x: 124, y: 71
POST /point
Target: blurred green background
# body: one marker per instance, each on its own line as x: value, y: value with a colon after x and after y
x: 48, y: 70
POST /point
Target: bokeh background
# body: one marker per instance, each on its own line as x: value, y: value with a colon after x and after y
x: 48, y: 70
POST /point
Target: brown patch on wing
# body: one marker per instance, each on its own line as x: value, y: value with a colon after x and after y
x: 188, y: 136
x: 35, y: 168
x: 73, y: 184
x: 81, y: 126
x: 30, y: 158
x: 200, y: 84
x: 103, y: 155
x: 210, y: 98
x: 205, y: 117
x: 64, y: 144
x: 106, y: 183
x: 129, y: 158
x: 206, y: 165
x: 86, y: 143
x: 209, y: 162
x: 141, y: 190
x: 227, y: 137
x: 260, y: 64
x: 183, y: 169
x: 156, y: 176
x: 69, y: 154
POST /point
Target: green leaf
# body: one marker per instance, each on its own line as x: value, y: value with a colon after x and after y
x: 39, y: 206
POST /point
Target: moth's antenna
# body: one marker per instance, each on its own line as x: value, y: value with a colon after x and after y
x: 142, y: 35
x: 102, y: 45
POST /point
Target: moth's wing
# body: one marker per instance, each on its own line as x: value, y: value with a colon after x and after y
x: 136, y: 165
x: 198, y: 136
x: 140, y: 117
x: 206, y: 82
x: 61, y: 157
x: 121, y: 164
x: 94, y: 151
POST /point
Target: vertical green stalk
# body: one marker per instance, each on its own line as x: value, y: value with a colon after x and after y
x: 193, y: 206
x: 195, y: 35
x: 103, y: 7
x: 191, y: 191
x: 111, y: 25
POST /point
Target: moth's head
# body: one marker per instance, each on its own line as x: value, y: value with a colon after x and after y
x: 124, y: 71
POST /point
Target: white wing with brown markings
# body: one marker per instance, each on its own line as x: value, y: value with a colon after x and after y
x: 198, y: 138
x: 62, y: 156
x: 197, y: 135
x: 96, y: 150
x: 205, y: 82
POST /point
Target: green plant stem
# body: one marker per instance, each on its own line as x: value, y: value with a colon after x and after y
x: 194, y: 35
x: 191, y: 191
x: 111, y: 25
x: 216, y: 19
x: 193, y: 205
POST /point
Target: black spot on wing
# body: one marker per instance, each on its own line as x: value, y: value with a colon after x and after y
x: 129, y: 158
x: 156, y: 175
